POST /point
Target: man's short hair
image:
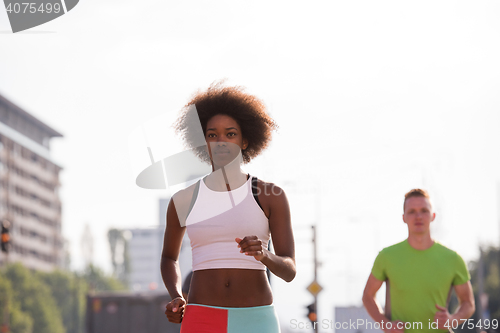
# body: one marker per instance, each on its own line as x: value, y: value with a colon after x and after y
x: 416, y: 192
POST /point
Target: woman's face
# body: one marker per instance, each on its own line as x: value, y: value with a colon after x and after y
x: 224, y: 139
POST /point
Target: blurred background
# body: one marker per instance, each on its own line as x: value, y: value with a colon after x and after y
x: 372, y: 99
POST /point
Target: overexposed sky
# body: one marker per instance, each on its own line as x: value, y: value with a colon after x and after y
x: 373, y: 98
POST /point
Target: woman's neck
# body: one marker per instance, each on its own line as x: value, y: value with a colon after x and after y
x: 226, y: 178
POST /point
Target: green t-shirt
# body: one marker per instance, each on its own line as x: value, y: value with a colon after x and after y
x: 418, y: 280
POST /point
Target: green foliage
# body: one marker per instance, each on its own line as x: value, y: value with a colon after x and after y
x: 68, y: 290
x: 35, y: 299
x: 20, y: 322
x: 491, y: 266
x: 53, y: 302
x: 98, y: 281
x: 491, y: 284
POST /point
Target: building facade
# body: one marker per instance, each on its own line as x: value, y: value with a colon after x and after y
x: 29, y: 190
x: 145, y: 246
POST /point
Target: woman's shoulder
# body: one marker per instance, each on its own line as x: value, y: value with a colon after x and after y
x: 269, y: 194
x: 183, y: 200
x: 270, y: 187
x: 187, y: 193
x: 274, y: 203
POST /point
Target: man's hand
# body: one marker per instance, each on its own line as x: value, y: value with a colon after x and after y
x: 251, y: 246
x: 397, y: 327
x: 442, y: 317
x: 175, y: 310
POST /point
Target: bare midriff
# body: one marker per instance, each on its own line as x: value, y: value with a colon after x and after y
x: 230, y: 288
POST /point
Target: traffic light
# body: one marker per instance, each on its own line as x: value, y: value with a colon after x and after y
x: 5, y: 236
x: 313, y: 317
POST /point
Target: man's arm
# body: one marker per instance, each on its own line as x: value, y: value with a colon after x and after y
x: 466, y: 299
x: 374, y: 309
x: 370, y: 302
x: 464, y: 311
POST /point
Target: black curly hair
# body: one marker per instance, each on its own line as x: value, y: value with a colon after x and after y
x: 247, y: 110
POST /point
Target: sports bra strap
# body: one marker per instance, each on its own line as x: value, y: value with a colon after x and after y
x: 255, y: 191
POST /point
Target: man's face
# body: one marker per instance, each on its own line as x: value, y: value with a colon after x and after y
x: 418, y: 215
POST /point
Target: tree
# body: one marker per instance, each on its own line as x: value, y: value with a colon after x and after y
x: 98, y: 281
x: 49, y: 302
x: 491, y: 281
x: 19, y: 322
x: 68, y: 290
x: 491, y: 286
x: 118, y: 244
x: 35, y: 299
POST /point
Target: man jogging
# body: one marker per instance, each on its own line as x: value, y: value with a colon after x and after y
x: 419, y: 273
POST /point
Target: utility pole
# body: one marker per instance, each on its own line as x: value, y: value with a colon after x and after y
x: 498, y: 216
x: 314, y: 288
x: 480, y: 283
x: 315, y: 274
x: 317, y: 286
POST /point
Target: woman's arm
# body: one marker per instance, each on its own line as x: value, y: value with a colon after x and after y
x: 169, y: 265
x: 172, y: 242
x: 276, y: 208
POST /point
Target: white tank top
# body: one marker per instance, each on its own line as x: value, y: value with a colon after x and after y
x: 216, y: 219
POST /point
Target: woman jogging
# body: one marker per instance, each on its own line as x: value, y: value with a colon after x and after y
x: 230, y: 217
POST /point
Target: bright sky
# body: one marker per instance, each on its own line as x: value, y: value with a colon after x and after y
x: 373, y: 98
